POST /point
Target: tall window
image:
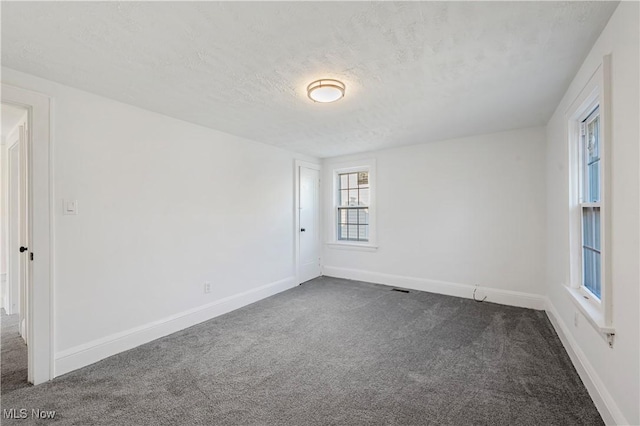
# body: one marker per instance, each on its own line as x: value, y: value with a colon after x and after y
x: 353, y: 206
x: 590, y: 198
x: 590, y: 141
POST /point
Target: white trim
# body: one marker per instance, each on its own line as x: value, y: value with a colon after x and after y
x: 591, y: 205
x: 589, y: 310
x: 11, y: 142
x: 352, y: 246
x: 296, y: 212
x: 40, y: 195
x: 13, y: 241
x: 494, y: 295
x: 3, y: 283
x: 596, y: 91
x: 605, y: 183
x: 96, y: 350
x: 369, y: 165
x: 604, y: 402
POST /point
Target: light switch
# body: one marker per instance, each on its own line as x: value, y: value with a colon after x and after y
x: 70, y: 207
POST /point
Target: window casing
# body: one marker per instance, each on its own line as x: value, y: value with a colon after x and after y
x: 590, y: 199
x: 352, y: 204
x: 589, y: 138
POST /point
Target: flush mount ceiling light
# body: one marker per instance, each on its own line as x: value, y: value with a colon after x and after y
x: 325, y: 90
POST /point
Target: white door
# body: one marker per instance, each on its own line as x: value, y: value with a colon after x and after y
x: 309, y: 255
x: 14, y: 228
x: 18, y: 228
x: 25, y: 237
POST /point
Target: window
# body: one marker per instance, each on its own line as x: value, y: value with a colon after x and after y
x: 353, y: 206
x: 590, y: 286
x: 590, y: 197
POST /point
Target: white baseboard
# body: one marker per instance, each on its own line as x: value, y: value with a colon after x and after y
x: 601, y: 397
x: 494, y: 295
x: 3, y: 292
x: 96, y: 350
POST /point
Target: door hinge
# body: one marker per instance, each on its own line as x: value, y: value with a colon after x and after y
x: 31, y: 256
x: 583, y: 129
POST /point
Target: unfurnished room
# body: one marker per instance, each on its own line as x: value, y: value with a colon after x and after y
x: 320, y: 213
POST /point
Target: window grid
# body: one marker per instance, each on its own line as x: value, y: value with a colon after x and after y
x: 590, y: 205
x: 353, y: 206
x: 591, y: 157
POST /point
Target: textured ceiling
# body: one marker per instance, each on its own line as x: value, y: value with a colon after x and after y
x: 415, y: 71
x: 11, y: 115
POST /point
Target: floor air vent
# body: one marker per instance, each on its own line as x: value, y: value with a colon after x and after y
x: 401, y: 290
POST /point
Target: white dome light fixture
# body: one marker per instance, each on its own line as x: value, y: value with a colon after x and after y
x: 325, y: 90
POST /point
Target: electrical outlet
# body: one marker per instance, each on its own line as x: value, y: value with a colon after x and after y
x: 575, y: 318
x: 207, y: 287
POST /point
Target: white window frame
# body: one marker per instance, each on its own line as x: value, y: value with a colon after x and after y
x: 368, y: 166
x: 587, y: 294
x: 596, y: 93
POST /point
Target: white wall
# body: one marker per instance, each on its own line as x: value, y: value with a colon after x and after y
x: 616, y: 369
x: 454, y: 214
x: 164, y: 206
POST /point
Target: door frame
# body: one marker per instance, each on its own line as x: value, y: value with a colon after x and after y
x: 296, y: 213
x: 13, y: 235
x: 17, y: 237
x: 25, y: 270
x: 39, y: 193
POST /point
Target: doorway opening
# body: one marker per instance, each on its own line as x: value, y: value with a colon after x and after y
x: 35, y: 241
x: 14, y: 259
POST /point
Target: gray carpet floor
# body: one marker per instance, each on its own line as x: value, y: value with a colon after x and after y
x: 13, y: 355
x: 333, y: 352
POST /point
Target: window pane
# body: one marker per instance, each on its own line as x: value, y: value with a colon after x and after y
x: 342, y: 216
x: 593, y: 135
x: 592, y: 271
x: 363, y: 232
x: 587, y: 267
x: 591, y: 227
x: 352, y: 216
x: 344, y: 197
x: 591, y: 158
x: 344, y: 181
x: 363, y: 179
x: 342, y: 232
x: 353, y: 232
x: 353, y: 197
x: 587, y: 227
x: 596, y: 229
x: 591, y: 238
x: 353, y: 180
x: 596, y: 282
x: 364, y: 197
x: 363, y: 216
x: 593, y: 170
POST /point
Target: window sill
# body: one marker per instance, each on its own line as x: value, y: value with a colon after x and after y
x: 593, y: 315
x: 352, y: 246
